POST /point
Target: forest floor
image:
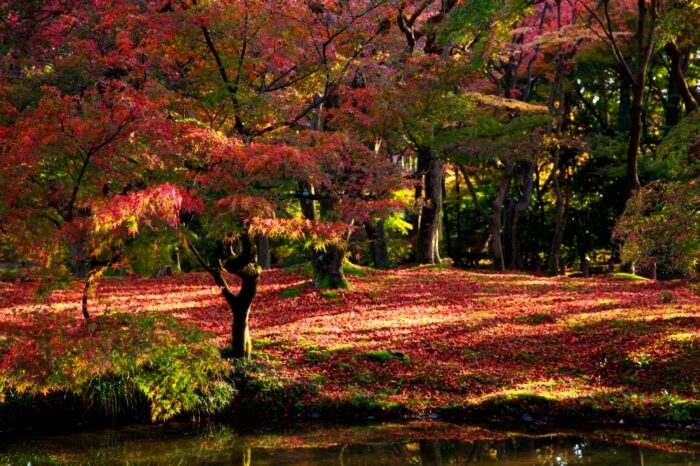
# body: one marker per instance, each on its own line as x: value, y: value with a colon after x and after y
x: 441, y: 341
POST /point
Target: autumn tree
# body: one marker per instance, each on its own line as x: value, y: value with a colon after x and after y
x: 80, y: 120
x: 660, y: 226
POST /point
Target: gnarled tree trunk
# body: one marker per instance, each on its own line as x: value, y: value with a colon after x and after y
x: 245, y: 266
x: 328, y: 268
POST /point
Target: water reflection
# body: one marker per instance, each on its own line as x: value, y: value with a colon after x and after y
x: 380, y: 445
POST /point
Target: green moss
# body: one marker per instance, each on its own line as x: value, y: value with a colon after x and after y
x: 9, y: 275
x: 290, y: 292
x: 628, y: 276
x: 331, y: 282
x: 304, y: 268
x: 365, y: 377
x: 384, y: 356
x: 351, y: 269
x: 536, y: 318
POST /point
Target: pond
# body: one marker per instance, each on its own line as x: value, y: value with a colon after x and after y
x: 412, y: 443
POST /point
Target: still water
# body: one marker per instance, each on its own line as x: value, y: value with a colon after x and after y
x: 416, y: 443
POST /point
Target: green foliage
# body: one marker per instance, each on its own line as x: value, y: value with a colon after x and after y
x: 680, y: 149
x: 661, y: 225
x: 147, y: 254
x: 111, y: 358
x: 483, y: 23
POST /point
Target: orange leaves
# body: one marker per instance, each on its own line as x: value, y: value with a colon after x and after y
x: 162, y: 202
x: 318, y: 233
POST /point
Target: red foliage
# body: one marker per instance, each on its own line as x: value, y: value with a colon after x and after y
x: 467, y: 334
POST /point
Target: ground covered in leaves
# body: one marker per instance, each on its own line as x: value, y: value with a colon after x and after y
x: 443, y: 340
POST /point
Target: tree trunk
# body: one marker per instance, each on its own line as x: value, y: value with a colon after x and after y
x: 176, y: 260
x: 496, y: 244
x: 458, y: 226
x: 427, y: 245
x: 328, y: 268
x: 263, y: 244
x: 555, y: 126
x: 446, y: 223
x: 328, y: 263
x: 509, y: 214
x: 241, y: 345
x: 518, y: 209
x: 244, y: 266
x: 86, y: 296
x: 678, y: 77
x: 430, y: 454
x: 378, y: 244
x: 494, y: 219
x: 554, y: 262
x: 636, y: 113
x: 624, y: 123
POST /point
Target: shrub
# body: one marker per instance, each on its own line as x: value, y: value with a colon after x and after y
x: 115, y: 357
x: 661, y: 225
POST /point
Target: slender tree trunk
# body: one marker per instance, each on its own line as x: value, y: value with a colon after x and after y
x: 624, y: 122
x: 86, y: 296
x: 499, y: 262
x: 427, y: 245
x: 430, y: 453
x: 636, y: 113
x: 176, y: 259
x: 446, y: 223
x: 263, y: 244
x: 496, y: 246
x: 416, y: 217
x: 458, y: 226
x: 555, y: 126
x: 637, y: 456
x: 494, y: 219
x: 509, y: 213
x: 378, y: 244
x: 672, y: 105
x: 518, y: 209
x: 554, y: 261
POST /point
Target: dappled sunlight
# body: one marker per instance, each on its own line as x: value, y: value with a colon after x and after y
x: 449, y: 336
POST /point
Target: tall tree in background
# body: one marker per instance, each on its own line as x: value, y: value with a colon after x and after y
x: 607, y: 24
